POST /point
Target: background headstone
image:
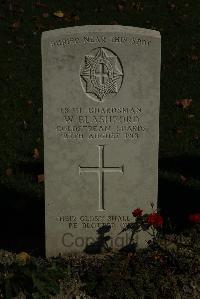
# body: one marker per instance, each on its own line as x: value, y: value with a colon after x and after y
x: 101, y: 90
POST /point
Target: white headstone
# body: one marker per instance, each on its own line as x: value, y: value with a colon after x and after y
x: 101, y: 90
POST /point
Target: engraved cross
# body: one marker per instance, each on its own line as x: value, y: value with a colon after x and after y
x: 102, y: 73
x: 100, y: 170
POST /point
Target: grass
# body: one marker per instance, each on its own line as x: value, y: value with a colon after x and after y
x: 21, y: 25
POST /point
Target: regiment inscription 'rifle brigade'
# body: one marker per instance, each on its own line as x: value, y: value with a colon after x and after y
x: 101, y: 74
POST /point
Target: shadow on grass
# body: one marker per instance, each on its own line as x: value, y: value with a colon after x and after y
x: 188, y: 166
x: 31, y: 167
x: 176, y: 202
x: 21, y: 222
x: 176, y: 199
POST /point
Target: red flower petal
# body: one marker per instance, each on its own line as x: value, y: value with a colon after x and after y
x: 137, y: 212
x: 195, y: 218
x: 155, y: 219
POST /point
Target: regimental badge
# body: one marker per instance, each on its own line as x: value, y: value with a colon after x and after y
x: 101, y: 74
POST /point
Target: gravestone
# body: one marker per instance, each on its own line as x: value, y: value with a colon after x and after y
x: 101, y: 90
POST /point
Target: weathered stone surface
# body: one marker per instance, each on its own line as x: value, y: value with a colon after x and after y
x: 101, y: 129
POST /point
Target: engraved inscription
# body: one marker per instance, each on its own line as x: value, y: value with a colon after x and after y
x: 100, y: 170
x: 134, y: 41
x: 101, y: 74
x: 92, y: 123
x: 94, y: 221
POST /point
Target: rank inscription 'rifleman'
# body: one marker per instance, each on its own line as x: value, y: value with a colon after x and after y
x: 101, y: 74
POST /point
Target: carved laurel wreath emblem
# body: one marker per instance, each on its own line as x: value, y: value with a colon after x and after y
x: 101, y: 74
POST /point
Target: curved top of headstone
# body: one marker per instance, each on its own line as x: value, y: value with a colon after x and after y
x: 101, y: 28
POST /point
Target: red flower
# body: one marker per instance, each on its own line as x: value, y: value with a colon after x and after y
x: 137, y: 212
x: 195, y: 218
x: 155, y: 219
